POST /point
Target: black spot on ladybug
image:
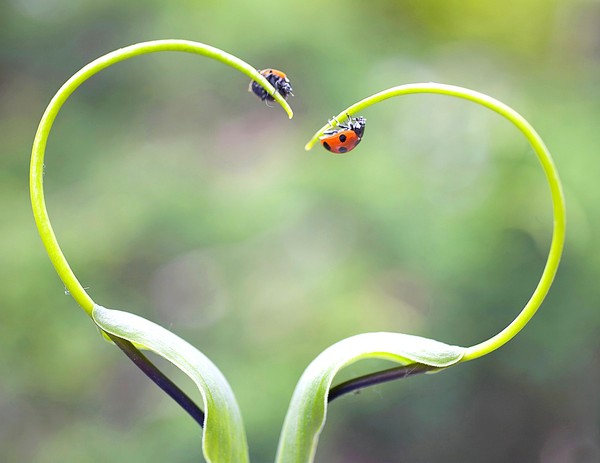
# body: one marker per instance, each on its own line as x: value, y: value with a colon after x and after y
x: 326, y: 145
x: 342, y: 149
x: 343, y: 138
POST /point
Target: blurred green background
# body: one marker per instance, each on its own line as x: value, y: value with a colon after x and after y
x: 177, y: 195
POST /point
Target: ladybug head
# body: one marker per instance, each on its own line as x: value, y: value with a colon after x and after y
x: 357, y: 125
x: 284, y: 87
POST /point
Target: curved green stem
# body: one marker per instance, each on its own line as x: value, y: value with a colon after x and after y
x: 558, y: 204
x: 39, y: 145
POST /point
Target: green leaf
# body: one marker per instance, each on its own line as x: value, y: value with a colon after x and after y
x: 224, y: 438
x: 307, y: 412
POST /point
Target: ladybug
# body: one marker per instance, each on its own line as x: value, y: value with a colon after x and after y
x: 344, y: 137
x: 277, y: 79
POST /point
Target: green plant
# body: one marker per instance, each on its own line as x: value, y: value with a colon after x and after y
x: 223, y: 433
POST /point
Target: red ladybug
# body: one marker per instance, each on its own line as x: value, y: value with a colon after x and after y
x: 277, y: 79
x: 344, y: 137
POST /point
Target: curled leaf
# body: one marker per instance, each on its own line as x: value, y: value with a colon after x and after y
x: 307, y: 412
x: 224, y: 438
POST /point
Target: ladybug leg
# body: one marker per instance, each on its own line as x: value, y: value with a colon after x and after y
x: 333, y: 119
